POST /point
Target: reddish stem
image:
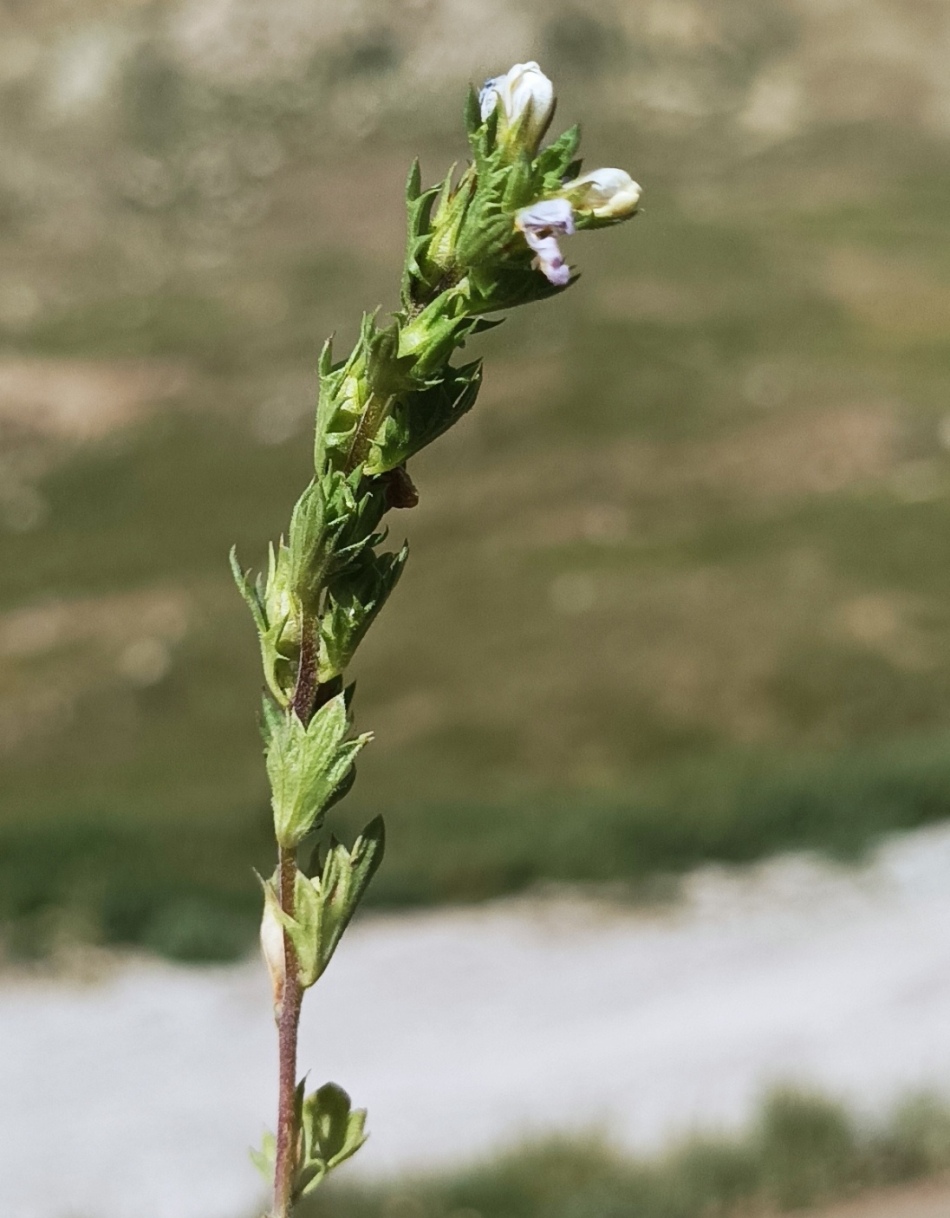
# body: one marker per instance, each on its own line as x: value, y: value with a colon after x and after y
x: 287, y: 1025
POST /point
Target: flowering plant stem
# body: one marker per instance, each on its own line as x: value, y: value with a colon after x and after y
x: 485, y: 242
x: 287, y: 1029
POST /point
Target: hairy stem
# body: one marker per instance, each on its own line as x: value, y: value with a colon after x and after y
x: 287, y: 1026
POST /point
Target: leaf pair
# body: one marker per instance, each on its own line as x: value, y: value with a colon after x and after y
x: 307, y: 765
x: 329, y: 1131
x: 324, y: 905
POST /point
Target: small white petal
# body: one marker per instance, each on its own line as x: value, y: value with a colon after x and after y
x: 608, y: 194
x: 489, y: 96
x: 526, y: 98
x: 554, y: 214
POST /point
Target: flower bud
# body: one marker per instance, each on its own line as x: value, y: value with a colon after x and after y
x: 606, y: 194
x: 525, y: 98
x: 272, y: 946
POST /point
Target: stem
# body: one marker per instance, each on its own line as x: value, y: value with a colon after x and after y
x: 304, y: 701
x: 287, y: 1026
x: 305, y: 690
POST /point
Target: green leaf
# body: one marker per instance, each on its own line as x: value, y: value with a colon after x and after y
x: 426, y: 414
x: 473, y: 111
x: 272, y: 617
x: 306, y: 766
x: 344, y: 879
x: 353, y: 602
x: 557, y: 160
x: 265, y: 1158
x: 248, y: 591
x: 270, y: 719
x: 306, y: 544
x: 332, y: 1133
x: 325, y: 905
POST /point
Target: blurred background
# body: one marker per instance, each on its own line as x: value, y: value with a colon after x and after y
x: 680, y: 585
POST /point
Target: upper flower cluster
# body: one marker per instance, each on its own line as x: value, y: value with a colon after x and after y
x: 523, y: 104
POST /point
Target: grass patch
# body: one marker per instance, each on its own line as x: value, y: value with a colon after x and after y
x: 803, y: 1150
x: 185, y: 888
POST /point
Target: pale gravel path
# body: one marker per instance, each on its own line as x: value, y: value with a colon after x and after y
x: 136, y: 1096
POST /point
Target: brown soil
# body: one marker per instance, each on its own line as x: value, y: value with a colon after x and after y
x: 930, y: 1199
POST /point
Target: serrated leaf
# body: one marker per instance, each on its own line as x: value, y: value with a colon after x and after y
x: 324, y: 905
x: 344, y: 879
x: 306, y: 765
x: 426, y: 414
x: 414, y: 181
x: 332, y: 1133
x: 353, y: 602
x: 247, y: 590
x: 270, y: 719
x: 261, y: 601
x: 556, y: 160
x: 306, y: 546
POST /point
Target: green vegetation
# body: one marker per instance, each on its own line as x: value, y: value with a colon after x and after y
x: 683, y: 577
x: 804, y: 1150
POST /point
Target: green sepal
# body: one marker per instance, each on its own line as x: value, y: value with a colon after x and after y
x: 427, y: 340
x: 488, y: 230
x: 483, y: 133
x: 417, y: 276
x: 331, y: 1132
x: 473, y: 111
x: 449, y: 216
x: 356, y: 397
x: 306, y: 765
x: 557, y: 161
x: 586, y: 221
x: 351, y: 607
x: 519, y: 188
x: 414, y: 181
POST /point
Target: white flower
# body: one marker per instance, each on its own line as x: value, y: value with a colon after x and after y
x: 542, y: 223
x: 526, y: 98
x: 608, y: 194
